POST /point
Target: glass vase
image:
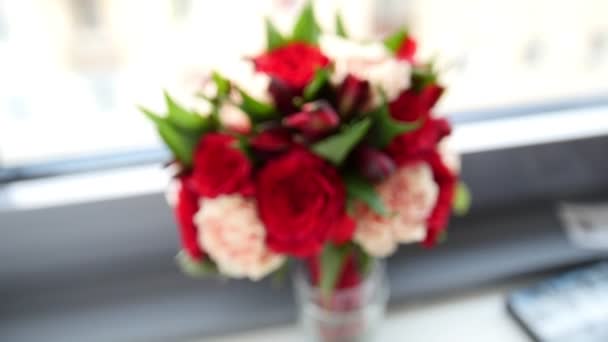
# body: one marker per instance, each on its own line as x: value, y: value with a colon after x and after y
x: 352, y: 314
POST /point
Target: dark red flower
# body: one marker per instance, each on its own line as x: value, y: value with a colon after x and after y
x: 187, y: 205
x: 220, y: 167
x: 417, y: 144
x: 353, y: 94
x: 301, y: 201
x: 273, y: 140
x: 374, y: 164
x: 295, y: 64
x: 447, y: 180
x: 283, y: 96
x: 414, y: 105
x: 315, y: 120
x: 407, y: 50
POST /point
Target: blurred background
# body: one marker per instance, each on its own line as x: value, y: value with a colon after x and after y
x: 72, y: 70
x: 86, y: 239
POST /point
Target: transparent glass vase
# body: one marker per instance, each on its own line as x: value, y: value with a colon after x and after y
x: 348, y: 315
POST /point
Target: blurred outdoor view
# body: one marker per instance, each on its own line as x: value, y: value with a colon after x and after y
x: 73, y: 71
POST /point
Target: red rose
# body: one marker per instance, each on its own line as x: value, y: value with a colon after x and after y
x: 413, y: 105
x: 220, y: 168
x: 301, y: 201
x: 447, y: 181
x: 185, y: 208
x: 294, y: 64
x: 407, y: 50
x: 417, y: 144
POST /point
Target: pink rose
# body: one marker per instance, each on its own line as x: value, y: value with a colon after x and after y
x: 234, y: 237
x: 409, y: 195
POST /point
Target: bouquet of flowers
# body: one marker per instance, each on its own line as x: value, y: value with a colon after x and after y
x: 330, y: 155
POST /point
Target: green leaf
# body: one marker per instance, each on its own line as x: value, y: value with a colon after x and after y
x: 423, y: 76
x: 306, y: 28
x: 183, y: 118
x: 359, y: 188
x: 364, y: 261
x: 319, y: 80
x: 337, y: 147
x: 257, y: 111
x: 443, y: 237
x: 462, y: 199
x: 394, y: 41
x: 180, y: 143
x: 222, y: 84
x: 242, y: 144
x: 340, y: 29
x: 332, y: 262
x: 386, y: 128
x: 195, y: 268
x: 274, y: 38
x: 155, y: 118
x: 280, y: 275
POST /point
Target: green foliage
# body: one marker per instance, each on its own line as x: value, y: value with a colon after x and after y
x: 274, y: 39
x: 319, y: 81
x: 462, y: 199
x: 364, y: 260
x: 257, y: 111
x: 184, y: 119
x: 340, y: 29
x: 423, y: 76
x: 386, y: 128
x: 360, y: 189
x: 194, y: 268
x: 443, y: 237
x: 181, y: 142
x: 394, y: 41
x: 306, y: 28
x: 222, y: 84
x: 332, y: 262
x: 280, y: 275
x: 337, y: 147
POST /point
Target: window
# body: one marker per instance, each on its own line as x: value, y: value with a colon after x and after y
x: 73, y: 71
x: 86, y: 13
x: 3, y: 26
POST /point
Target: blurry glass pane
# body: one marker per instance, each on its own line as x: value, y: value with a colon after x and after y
x: 73, y: 71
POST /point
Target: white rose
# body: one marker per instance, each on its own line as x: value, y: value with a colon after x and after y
x: 234, y: 118
x: 232, y: 234
x: 367, y: 61
x: 409, y: 196
x: 242, y: 73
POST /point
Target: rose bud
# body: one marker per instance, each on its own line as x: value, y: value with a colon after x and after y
x: 353, y: 94
x: 407, y: 50
x: 374, y: 164
x: 272, y: 140
x: 315, y: 120
x: 283, y: 95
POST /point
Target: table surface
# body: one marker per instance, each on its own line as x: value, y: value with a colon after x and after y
x: 478, y: 315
